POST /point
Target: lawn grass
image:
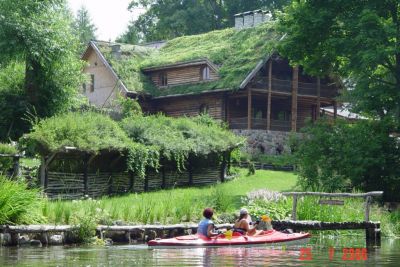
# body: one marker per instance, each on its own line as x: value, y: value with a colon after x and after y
x: 173, y: 205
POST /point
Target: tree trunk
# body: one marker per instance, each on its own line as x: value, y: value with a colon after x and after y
x: 32, y: 72
x: 396, y: 22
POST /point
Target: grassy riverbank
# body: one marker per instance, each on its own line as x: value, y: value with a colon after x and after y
x: 171, y: 206
x: 186, y: 205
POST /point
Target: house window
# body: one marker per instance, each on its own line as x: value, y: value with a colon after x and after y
x: 163, y: 79
x: 91, y: 85
x: 205, y: 73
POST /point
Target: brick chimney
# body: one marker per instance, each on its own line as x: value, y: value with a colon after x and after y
x: 116, y: 50
x: 251, y: 18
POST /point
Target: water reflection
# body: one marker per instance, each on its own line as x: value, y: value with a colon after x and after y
x: 139, y: 255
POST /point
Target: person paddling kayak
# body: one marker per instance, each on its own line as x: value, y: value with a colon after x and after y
x: 206, y: 226
x: 242, y: 225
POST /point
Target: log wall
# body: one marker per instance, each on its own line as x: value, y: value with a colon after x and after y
x: 72, y: 185
x: 182, y: 75
x: 190, y: 106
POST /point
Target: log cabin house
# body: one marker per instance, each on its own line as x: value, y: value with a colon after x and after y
x: 235, y: 75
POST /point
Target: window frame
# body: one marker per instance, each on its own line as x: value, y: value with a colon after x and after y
x: 91, y: 87
x: 205, y: 73
x: 163, y: 79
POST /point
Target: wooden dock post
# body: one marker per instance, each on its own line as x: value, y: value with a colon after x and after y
x: 294, y: 209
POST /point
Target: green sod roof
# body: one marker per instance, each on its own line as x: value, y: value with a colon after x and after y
x: 235, y: 52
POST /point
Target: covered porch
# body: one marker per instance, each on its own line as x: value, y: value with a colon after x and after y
x: 284, y: 104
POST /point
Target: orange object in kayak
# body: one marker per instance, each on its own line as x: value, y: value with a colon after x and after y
x: 270, y: 237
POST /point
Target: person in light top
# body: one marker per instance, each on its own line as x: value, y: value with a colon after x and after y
x: 206, y: 226
x: 242, y: 225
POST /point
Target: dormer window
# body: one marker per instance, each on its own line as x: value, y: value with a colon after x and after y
x: 163, y: 79
x: 205, y: 73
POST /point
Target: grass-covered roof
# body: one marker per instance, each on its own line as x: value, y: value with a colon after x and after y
x: 177, y: 138
x: 89, y: 132
x: 235, y: 52
x: 141, y: 139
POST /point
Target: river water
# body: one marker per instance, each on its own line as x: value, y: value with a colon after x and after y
x: 321, y: 251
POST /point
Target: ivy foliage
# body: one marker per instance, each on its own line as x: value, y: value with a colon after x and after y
x: 143, y: 140
x: 92, y: 133
x: 177, y: 138
x: 236, y: 53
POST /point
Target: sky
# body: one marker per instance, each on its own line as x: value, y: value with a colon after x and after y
x: 111, y: 17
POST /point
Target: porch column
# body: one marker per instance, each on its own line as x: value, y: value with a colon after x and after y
x: 295, y: 86
x: 334, y: 109
x: 249, y: 109
x: 318, y: 97
x: 269, y: 95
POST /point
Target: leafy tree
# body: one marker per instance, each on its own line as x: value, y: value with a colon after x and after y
x: 130, y: 36
x: 84, y: 27
x: 13, y: 103
x: 169, y: 19
x: 38, y: 33
x: 337, y: 155
x: 358, y: 39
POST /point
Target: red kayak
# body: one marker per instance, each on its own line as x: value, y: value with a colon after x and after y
x: 270, y: 237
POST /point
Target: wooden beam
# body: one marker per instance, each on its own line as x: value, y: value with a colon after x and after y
x: 318, y: 97
x: 367, y: 204
x: 269, y: 95
x: 334, y: 109
x: 294, y: 208
x: 249, y: 109
x: 227, y: 108
x: 323, y: 194
x: 295, y: 86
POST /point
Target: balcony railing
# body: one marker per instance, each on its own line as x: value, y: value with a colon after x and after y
x: 261, y: 124
x: 285, y: 86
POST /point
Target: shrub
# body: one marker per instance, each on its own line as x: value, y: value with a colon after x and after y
x: 6, y: 163
x: 341, y: 156
x: 18, y: 205
x: 261, y: 202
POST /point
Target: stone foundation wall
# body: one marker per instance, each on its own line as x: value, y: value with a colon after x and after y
x: 265, y: 142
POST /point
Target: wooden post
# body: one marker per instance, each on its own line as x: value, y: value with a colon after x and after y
x: 223, y: 167
x: 110, y: 184
x: 227, y: 108
x: 163, y: 185
x: 249, y: 109
x: 318, y: 97
x: 334, y: 109
x: 367, y: 204
x: 16, y: 171
x: 42, y: 171
x: 190, y: 171
x: 294, y: 208
x: 146, y: 183
x: 269, y: 95
x: 85, y: 176
x: 131, y: 181
x: 295, y: 86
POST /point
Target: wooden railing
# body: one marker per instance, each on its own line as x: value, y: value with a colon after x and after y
x: 259, y: 123
x: 367, y: 196
x: 285, y: 86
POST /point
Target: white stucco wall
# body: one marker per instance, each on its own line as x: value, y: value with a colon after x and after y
x: 104, y: 92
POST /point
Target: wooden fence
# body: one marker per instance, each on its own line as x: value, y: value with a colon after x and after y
x: 78, y: 185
